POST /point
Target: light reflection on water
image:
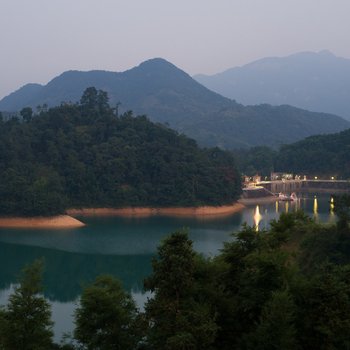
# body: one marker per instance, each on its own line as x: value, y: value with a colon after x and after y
x: 257, y: 217
x: 319, y: 207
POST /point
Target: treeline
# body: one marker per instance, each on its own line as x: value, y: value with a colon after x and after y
x: 326, y: 155
x: 323, y: 154
x: 256, y: 160
x: 286, y: 288
x: 87, y: 155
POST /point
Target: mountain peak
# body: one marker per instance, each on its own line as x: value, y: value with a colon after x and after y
x: 157, y: 65
x: 157, y: 61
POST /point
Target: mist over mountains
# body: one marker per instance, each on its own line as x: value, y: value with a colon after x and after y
x: 168, y: 95
x: 317, y: 82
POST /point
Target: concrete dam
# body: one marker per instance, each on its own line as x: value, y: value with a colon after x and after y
x: 289, y: 186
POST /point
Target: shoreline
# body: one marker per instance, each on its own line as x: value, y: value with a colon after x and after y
x: 69, y: 221
x: 52, y: 222
x: 204, y: 211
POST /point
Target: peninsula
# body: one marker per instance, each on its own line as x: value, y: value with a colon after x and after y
x: 87, y: 155
x: 59, y: 222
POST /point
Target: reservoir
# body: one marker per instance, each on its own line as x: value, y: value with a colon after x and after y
x: 124, y: 248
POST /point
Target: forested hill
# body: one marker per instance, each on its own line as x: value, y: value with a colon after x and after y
x: 84, y: 155
x: 166, y: 94
x: 327, y: 155
x: 321, y: 155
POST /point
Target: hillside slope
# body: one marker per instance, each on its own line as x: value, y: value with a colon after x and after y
x: 322, y: 155
x: 314, y: 81
x: 168, y: 95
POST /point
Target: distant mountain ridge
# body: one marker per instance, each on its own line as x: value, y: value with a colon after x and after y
x: 317, y: 82
x: 168, y: 95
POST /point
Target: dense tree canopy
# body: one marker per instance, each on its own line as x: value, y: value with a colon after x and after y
x: 256, y: 160
x: 85, y: 156
x: 323, y: 154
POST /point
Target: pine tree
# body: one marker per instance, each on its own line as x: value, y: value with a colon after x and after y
x: 26, y: 321
x: 177, y: 319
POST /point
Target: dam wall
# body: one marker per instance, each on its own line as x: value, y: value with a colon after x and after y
x: 288, y: 186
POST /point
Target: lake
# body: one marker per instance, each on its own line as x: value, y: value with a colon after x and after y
x: 124, y: 248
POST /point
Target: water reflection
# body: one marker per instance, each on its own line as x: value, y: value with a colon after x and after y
x: 257, y: 218
x: 127, y: 236
x: 66, y: 272
x: 315, y: 209
x: 123, y: 247
x: 320, y: 207
x: 331, y: 206
x: 287, y: 206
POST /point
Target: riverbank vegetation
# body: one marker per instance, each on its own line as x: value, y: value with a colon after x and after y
x: 86, y: 155
x: 284, y: 288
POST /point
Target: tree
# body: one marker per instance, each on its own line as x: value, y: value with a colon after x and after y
x: 27, y: 114
x: 2, y: 328
x: 324, y: 309
x: 276, y: 329
x: 177, y: 319
x: 26, y: 320
x: 342, y: 210
x: 89, y: 99
x: 102, y: 101
x: 256, y: 267
x: 107, y: 318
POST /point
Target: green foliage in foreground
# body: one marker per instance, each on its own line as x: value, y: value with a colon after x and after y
x: 86, y: 155
x: 106, y: 317
x: 284, y: 288
x: 178, y: 315
x: 25, y: 323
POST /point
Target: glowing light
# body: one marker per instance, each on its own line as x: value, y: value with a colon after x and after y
x: 332, y: 178
x: 315, y: 206
x: 315, y: 177
x: 287, y: 207
x: 257, y: 218
x: 332, y: 206
x: 277, y: 207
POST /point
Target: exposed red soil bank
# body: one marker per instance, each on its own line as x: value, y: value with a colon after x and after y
x: 61, y: 221
x: 170, y: 211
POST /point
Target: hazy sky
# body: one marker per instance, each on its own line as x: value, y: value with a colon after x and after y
x: 42, y: 38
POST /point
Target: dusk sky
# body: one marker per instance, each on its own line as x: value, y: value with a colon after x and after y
x: 43, y: 38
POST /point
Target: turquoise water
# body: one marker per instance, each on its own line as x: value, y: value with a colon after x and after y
x: 122, y: 247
